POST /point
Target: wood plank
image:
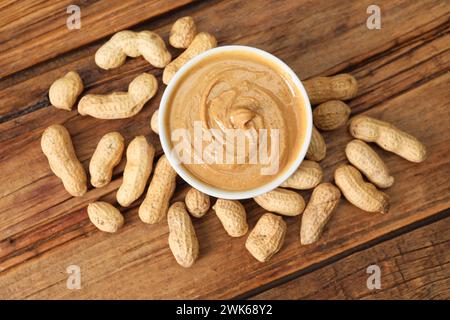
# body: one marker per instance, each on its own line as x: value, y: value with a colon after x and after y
x: 43, y: 230
x: 34, y: 31
x: 427, y: 53
x: 415, y: 265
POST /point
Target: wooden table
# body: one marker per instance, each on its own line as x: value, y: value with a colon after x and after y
x: 402, y: 70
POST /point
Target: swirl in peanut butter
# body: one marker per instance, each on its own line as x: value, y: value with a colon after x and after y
x: 240, y: 100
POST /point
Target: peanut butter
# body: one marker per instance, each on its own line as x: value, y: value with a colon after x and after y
x: 239, y: 93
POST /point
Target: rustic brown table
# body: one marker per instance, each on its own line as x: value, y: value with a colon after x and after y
x: 402, y: 70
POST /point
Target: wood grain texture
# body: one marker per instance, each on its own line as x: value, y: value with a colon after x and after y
x: 318, y: 51
x: 402, y: 74
x: 34, y: 31
x: 415, y: 265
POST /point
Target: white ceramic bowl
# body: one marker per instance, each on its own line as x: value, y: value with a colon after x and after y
x: 202, y: 186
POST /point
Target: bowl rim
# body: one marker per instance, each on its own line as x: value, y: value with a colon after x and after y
x: 197, y: 183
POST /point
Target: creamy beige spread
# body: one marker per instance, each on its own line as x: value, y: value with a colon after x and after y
x: 237, y: 90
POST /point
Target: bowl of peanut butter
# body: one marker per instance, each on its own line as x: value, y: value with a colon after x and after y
x: 235, y: 122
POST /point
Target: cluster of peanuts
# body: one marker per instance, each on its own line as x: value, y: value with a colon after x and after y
x: 331, y: 113
x: 267, y: 236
